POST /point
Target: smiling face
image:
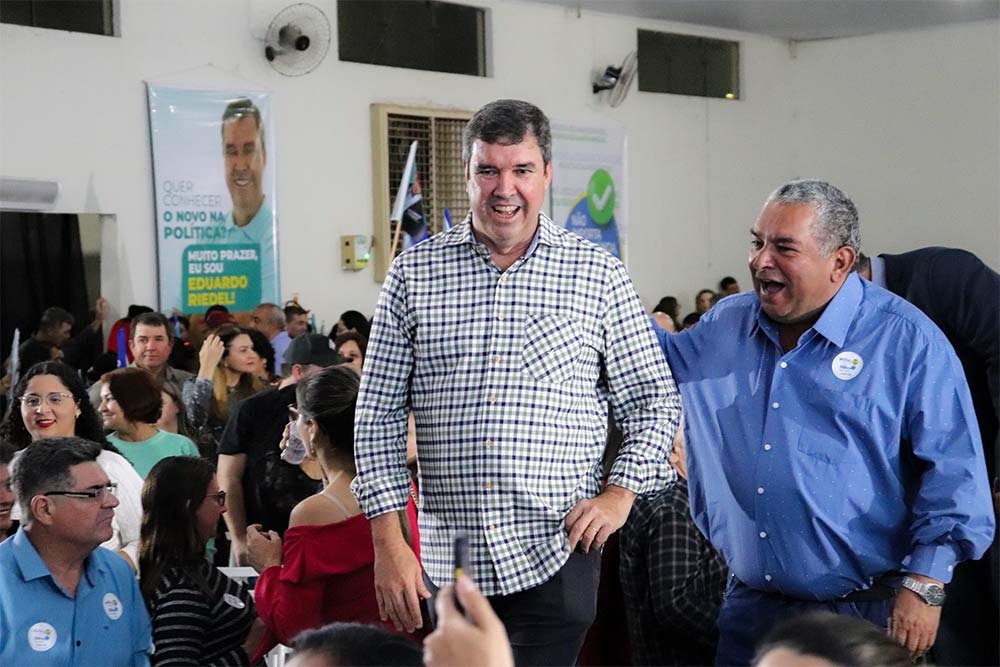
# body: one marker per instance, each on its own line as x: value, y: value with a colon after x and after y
x: 245, y: 160
x: 241, y: 357
x: 53, y: 418
x: 792, y: 279
x: 111, y: 412
x: 506, y: 185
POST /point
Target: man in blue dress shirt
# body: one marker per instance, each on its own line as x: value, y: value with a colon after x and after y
x: 63, y: 599
x: 834, y: 456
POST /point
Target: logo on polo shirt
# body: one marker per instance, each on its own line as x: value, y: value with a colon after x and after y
x: 41, y: 637
x: 847, y: 365
x: 112, y: 606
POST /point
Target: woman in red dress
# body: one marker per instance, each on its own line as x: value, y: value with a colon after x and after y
x: 325, y: 572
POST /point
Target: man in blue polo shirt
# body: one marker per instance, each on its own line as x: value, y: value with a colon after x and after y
x: 63, y: 599
x: 834, y: 456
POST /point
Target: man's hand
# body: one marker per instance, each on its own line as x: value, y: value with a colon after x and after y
x: 399, y: 579
x: 913, y: 622
x: 456, y: 642
x: 591, y: 521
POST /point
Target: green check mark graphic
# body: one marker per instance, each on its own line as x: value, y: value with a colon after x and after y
x: 601, y: 197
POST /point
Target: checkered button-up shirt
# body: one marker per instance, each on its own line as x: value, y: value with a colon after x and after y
x: 508, y: 374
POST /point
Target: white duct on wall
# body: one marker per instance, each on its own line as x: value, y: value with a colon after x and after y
x: 23, y: 194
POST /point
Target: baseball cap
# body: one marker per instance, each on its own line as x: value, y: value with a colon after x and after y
x: 310, y: 349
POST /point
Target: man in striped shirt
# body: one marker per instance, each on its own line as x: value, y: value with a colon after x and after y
x: 507, y: 337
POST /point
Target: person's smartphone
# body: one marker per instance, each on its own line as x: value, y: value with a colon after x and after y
x: 460, y: 551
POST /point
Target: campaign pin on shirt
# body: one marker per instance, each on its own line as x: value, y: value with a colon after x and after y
x: 847, y: 365
x: 112, y: 606
x: 233, y: 601
x: 41, y: 637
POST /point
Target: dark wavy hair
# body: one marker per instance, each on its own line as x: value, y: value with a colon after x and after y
x: 171, y: 495
x: 329, y: 398
x: 88, y: 424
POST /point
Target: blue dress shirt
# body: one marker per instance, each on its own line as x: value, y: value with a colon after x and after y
x: 105, y: 623
x: 854, y: 454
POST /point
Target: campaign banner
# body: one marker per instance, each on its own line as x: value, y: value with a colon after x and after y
x: 216, y: 212
x: 589, y: 194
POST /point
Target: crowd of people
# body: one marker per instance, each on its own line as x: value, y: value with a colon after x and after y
x: 789, y: 474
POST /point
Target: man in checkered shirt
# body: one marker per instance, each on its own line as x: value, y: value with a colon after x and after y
x: 507, y: 336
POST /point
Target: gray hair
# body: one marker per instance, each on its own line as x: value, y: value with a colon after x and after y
x: 275, y: 313
x: 44, y: 466
x: 508, y: 122
x: 836, y: 223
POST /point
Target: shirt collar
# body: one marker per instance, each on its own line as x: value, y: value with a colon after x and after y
x: 835, y: 320
x: 462, y: 234
x: 878, y: 271
x: 32, y: 567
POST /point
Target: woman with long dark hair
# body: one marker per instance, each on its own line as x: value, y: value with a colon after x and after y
x: 199, y: 615
x: 326, y: 570
x: 54, y: 404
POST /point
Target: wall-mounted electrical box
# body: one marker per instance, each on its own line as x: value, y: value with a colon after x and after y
x: 355, y: 251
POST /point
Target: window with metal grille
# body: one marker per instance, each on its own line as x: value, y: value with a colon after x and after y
x: 439, y: 169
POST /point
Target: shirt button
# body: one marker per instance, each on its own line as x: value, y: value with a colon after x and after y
x: 500, y: 317
x: 760, y: 490
x: 775, y: 405
x: 503, y: 279
x: 767, y: 577
x: 493, y: 399
x: 496, y: 358
x: 762, y: 534
x: 767, y: 446
x: 489, y: 485
x: 491, y: 527
x: 488, y: 442
x: 784, y: 364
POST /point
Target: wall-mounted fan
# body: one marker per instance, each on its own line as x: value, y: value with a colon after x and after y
x: 618, y: 79
x: 297, y: 39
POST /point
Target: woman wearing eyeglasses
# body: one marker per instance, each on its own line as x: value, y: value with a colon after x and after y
x: 326, y: 570
x: 200, y: 616
x: 54, y: 404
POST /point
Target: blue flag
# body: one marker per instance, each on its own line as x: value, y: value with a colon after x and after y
x: 122, y: 353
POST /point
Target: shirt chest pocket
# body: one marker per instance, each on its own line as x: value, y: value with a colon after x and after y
x: 552, y: 345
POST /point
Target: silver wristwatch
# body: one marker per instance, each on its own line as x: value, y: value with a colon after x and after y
x: 932, y: 594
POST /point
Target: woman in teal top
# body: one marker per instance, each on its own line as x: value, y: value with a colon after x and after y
x: 130, y: 406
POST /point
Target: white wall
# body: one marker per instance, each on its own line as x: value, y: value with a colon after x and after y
x: 72, y: 108
x: 909, y: 124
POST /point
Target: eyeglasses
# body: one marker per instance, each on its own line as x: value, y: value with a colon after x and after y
x: 55, y: 399
x: 219, y: 497
x: 100, y: 493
